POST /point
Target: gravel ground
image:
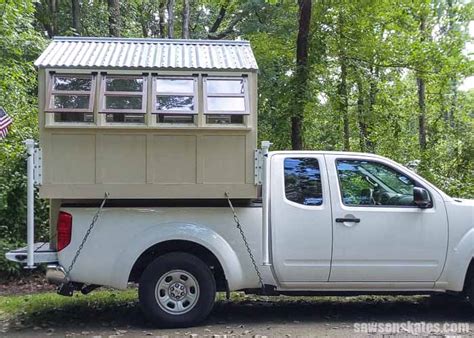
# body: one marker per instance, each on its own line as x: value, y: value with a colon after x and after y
x: 260, y: 316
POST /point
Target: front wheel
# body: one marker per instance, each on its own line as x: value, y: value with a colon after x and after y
x: 177, y: 290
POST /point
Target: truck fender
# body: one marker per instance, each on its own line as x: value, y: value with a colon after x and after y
x: 459, y: 261
x: 163, y: 232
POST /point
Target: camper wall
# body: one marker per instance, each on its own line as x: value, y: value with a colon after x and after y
x: 148, y: 158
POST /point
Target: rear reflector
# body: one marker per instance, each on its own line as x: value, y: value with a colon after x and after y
x: 64, y: 230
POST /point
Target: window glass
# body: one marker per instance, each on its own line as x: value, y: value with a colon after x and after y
x: 71, y: 101
x: 372, y: 183
x: 125, y: 118
x: 303, y: 181
x: 226, y: 104
x: 225, y: 119
x: 124, y: 85
x: 71, y: 94
x: 175, y: 103
x: 175, y: 118
x: 74, y: 117
x: 123, y: 102
x: 69, y: 83
x: 164, y: 85
x: 175, y: 95
x: 225, y: 86
x: 123, y: 95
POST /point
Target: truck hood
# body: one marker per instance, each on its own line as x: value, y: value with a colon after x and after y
x: 460, y: 214
x: 463, y: 202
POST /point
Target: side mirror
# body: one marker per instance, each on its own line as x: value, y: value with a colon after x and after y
x: 421, y: 197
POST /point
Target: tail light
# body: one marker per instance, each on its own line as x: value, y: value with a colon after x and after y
x: 64, y: 230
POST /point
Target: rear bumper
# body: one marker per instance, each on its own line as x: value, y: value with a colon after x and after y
x: 55, y: 274
x: 42, y: 254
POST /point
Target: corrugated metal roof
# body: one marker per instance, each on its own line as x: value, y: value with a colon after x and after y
x: 82, y: 52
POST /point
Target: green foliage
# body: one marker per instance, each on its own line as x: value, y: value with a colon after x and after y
x: 379, y: 42
x: 19, y: 47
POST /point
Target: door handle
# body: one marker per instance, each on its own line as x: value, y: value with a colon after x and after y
x: 342, y: 220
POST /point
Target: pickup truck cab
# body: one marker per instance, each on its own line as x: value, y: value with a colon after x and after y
x: 328, y: 223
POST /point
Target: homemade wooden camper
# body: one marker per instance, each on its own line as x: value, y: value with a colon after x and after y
x: 147, y: 118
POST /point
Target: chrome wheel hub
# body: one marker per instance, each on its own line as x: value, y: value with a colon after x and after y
x: 177, y: 292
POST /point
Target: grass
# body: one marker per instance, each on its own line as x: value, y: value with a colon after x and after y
x: 111, y: 308
x: 40, y: 309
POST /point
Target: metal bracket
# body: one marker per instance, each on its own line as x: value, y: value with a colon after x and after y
x: 260, y: 155
x: 38, y: 166
x: 258, y: 173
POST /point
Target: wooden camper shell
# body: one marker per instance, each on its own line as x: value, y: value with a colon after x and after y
x: 151, y: 159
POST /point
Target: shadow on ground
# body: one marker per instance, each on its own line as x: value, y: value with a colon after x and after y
x: 261, y: 311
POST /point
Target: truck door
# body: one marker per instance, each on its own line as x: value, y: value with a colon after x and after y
x: 300, y: 219
x: 380, y: 235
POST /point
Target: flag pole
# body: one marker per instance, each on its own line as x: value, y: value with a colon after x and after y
x: 30, y: 206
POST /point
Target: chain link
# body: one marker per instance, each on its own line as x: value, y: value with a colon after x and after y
x: 246, y: 243
x: 86, y: 236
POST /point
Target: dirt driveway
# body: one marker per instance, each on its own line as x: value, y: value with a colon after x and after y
x: 273, y: 316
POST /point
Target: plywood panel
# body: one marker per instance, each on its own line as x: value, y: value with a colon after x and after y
x: 174, y: 159
x: 122, y: 158
x: 223, y: 158
x: 70, y: 159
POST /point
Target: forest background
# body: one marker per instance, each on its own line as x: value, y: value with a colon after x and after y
x: 382, y: 76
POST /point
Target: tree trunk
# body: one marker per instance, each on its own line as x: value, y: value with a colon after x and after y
x: 422, y: 112
x: 301, y: 75
x: 343, y: 103
x: 370, y: 109
x: 361, y: 116
x: 114, y: 17
x: 420, y: 81
x: 76, y: 15
x: 342, y: 88
x: 161, y: 16
x: 171, y: 19
x: 53, y: 10
x: 186, y: 12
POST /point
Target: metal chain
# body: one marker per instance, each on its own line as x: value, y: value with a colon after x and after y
x: 86, y: 236
x: 247, y: 246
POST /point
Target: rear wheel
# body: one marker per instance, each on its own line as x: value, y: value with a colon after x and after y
x: 470, y: 290
x: 177, y: 290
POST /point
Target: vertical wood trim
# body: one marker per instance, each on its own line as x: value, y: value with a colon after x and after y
x: 200, y: 101
x: 199, y: 161
x: 99, y: 148
x: 150, y: 160
x: 149, y: 121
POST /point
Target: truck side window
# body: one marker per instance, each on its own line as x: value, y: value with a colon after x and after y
x: 366, y: 183
x: 303, y: 181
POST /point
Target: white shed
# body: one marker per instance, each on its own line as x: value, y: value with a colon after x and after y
x: 147, y: 118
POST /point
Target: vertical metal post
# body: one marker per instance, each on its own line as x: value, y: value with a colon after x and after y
x: 30, y: 205
x: 265, y: 205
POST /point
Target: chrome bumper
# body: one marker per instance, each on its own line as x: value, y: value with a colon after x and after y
x: 55, y: 274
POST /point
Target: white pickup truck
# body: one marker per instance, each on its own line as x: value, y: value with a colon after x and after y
x: 328, y: 223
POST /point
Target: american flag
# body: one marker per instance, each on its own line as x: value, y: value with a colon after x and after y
x: 5, y: 121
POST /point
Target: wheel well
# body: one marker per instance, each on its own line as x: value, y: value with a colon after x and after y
x: 180, y: 246
x: 469, y: 276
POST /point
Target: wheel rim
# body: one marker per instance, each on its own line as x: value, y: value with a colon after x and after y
x: 177, y: 292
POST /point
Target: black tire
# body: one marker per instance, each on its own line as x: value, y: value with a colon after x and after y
x: 470, y: 290
x: 157, y: 310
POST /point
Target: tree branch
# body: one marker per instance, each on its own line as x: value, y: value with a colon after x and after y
x: 220, y: 17
x: 230, y: 27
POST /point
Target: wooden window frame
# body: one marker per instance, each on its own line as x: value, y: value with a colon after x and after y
x: 245, y: 96
x: 194, y: 94
x: 104, y: 93
x: 52, y: 92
